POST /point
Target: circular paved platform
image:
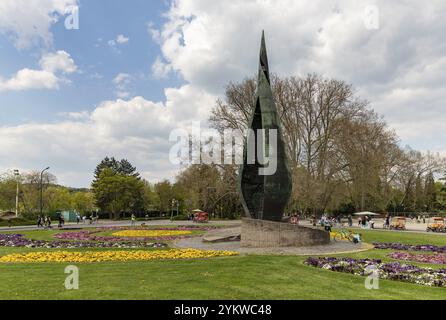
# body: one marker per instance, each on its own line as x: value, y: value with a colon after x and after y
x: 332, y: 248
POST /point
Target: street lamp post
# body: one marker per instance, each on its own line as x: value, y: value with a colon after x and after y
x: 171, y: 212
x: 17, y: 174
x: 174, y: 202
x: 41, y: 189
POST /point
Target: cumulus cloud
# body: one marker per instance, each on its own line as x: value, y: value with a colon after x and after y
x: 399, y: 67
x: 120, y: 39
x: 121, y: 82
x: 29, y: 22
x: 136, y: 129
x: 51, y: 65
x: 160, y: 69
x: 58, y: 61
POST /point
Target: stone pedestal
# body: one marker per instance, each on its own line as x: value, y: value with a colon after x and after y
x: 267, y: 234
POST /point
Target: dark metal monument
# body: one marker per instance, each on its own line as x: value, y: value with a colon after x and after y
x: 264, y: 196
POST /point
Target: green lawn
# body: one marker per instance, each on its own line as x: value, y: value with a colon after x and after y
x: 39, y: 234
x: 242, y: 277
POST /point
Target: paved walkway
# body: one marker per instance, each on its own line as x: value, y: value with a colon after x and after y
x: 410, y: 227
x: 332, y: 248
x: 124, y: 223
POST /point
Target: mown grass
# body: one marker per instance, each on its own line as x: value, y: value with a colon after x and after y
x: 242, y: 277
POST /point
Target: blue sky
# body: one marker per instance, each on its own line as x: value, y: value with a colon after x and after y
x: 138, y: 69
x: 97, y: 61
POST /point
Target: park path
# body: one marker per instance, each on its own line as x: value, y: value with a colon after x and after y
x: 411, y: 226
x: 332, y: 248
x: 123, y: 223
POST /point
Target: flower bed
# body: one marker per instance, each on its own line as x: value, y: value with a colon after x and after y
x: 436, y: 258
x: 391, y: 271
x: 88, y: 235
x: 98, y: 256
x: 409, y: 247
x: 18, y: 240
x: 151, y: 233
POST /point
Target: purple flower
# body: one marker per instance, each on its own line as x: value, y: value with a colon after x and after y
x: 392, y: 270
x: 437, y: 258
x: 408, y: 247
x: 18, y: 240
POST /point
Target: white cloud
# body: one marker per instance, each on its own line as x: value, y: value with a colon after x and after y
x: 122, y: 78
x: 26, y: 79
x: 160, y: 69
x: 120, y: 39
x: 400, y: 67
x: 81, y: 115
x: 29, y: 22
x: 47, y: 77
x: 121, y: 82
x: 137, y: 129
x: 59, y: 61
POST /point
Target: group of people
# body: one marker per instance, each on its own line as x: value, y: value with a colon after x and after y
x: 43, y: 222
x: 366, y: 222
x: 386, y: 224
x: 329, y: 222
x: 93, y: 219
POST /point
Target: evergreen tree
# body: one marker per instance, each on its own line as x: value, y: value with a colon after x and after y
x: 409, y: 199
x: 126, y: 168
x: 430, y: 192
x: 123, y: 167
x: 117, y: 187
x: 109, y: 163
x: 419, y: 195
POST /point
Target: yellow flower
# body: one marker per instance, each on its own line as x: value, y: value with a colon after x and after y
x: 101, y: 256
x: 150, y: 233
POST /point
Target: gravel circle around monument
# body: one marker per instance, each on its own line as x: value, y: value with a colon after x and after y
x: 332, y: 248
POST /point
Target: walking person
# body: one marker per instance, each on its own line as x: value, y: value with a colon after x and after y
x: 327, y: 225
x: 350, y: 220
x: 60, y: 219
x: 387, y: 222
x: 39, y: 222
x: 78, y: 218
x: 133, y: 218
